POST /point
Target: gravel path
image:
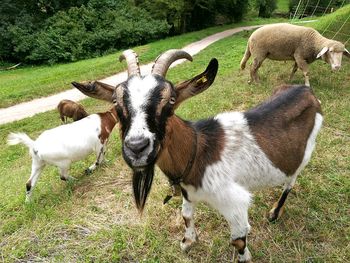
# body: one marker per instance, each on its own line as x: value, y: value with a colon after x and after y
x: 28, y: 109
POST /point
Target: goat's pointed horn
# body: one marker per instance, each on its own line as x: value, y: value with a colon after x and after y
x: 163, y: 62
x: 132, y: 61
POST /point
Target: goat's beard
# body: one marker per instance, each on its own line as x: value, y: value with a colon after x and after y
x: 142, y: 183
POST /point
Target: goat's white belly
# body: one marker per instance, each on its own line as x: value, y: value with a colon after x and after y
x: 242, y: 161
x: 248, y: 167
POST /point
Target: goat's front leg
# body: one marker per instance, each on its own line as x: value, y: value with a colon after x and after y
x: 233, y: 203
x: 190, y: 235
x: 100, y: 152
x: 64, y: 172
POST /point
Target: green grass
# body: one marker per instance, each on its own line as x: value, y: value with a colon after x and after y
x: 27, y: 83
x: 336, y: 25
x: 95, y: 219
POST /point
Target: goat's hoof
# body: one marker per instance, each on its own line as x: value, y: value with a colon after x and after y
x: 274, y: 214
x: 71, y: 179
x: 245, y: 258
x: 88, y: 171
x: 186, y: 244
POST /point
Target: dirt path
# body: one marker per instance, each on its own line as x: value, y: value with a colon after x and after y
x: 29, y: 109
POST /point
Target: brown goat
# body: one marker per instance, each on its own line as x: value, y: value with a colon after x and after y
x: 71, y: 109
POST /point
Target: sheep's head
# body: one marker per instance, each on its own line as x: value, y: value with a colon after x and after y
x: 143, y: 105
x: 332, y: 53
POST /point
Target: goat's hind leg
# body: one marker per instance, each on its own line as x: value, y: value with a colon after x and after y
x: 278, y: 207
x: 190, y: 235
x: 37, y: 167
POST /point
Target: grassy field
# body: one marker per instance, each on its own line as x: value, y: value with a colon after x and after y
x: 94, y: 218
x: 32, y: 82
x: 333, y: 26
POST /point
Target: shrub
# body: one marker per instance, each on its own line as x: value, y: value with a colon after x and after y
x: 85, y: 31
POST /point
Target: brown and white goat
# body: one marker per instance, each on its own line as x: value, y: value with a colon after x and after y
x: 219, y: 160
x: 71, y: 109
x: 65, y: 144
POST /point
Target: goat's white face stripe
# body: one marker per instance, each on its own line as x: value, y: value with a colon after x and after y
x: 139, y: 94
x: 140, y: 91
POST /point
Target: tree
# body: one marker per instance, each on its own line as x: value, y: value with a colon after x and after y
x: 266, y: 7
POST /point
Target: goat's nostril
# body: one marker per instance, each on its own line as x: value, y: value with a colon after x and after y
x: 137, y: 145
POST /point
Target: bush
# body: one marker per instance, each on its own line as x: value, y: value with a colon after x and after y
x: 266, y: 7
x: 85, y: 31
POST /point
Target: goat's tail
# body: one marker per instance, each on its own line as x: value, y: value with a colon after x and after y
x: 16, y: 138
x: 245, y: 57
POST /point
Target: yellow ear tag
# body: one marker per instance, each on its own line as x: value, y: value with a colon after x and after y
x: 202, y: 79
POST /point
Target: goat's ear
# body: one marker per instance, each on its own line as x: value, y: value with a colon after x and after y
x: 96, y: 89
x: 322, y: 52
x: 197, y: 84
x: 346, y: 53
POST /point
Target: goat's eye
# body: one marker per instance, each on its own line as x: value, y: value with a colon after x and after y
x: 172, y: 100
x: 114, y: 101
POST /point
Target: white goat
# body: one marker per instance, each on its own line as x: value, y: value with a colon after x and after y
x: 65, y: 144
x: 219, y: 160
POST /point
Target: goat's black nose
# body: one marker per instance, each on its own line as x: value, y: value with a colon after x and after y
x: 137, y: 145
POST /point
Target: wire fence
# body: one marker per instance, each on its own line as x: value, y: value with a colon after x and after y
x: 305, y: 9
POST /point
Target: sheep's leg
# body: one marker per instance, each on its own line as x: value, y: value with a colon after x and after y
x: 295, y: 68
x: 37, y: 167
x: 190, y: 235
x: 254, y: 69
x: 304, y: 67
x: 278, y: 207
x: 100, y: 153
x: 233, y: 203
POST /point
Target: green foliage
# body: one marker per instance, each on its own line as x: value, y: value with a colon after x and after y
x: 80, y: 32
x: 266, y: 7
x: 87, y: 32
x: 186, y: 15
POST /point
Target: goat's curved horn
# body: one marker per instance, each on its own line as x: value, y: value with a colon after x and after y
x: 132, y: 61
x: 163, y: 61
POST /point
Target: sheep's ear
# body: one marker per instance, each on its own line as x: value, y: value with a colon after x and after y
x: 197, y: 84
x: 322, y: 52
x: 96, y: 89
x: 346, y: 53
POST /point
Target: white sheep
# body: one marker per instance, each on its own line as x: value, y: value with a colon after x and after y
x: 65, y: 144
x: 290, y: 42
